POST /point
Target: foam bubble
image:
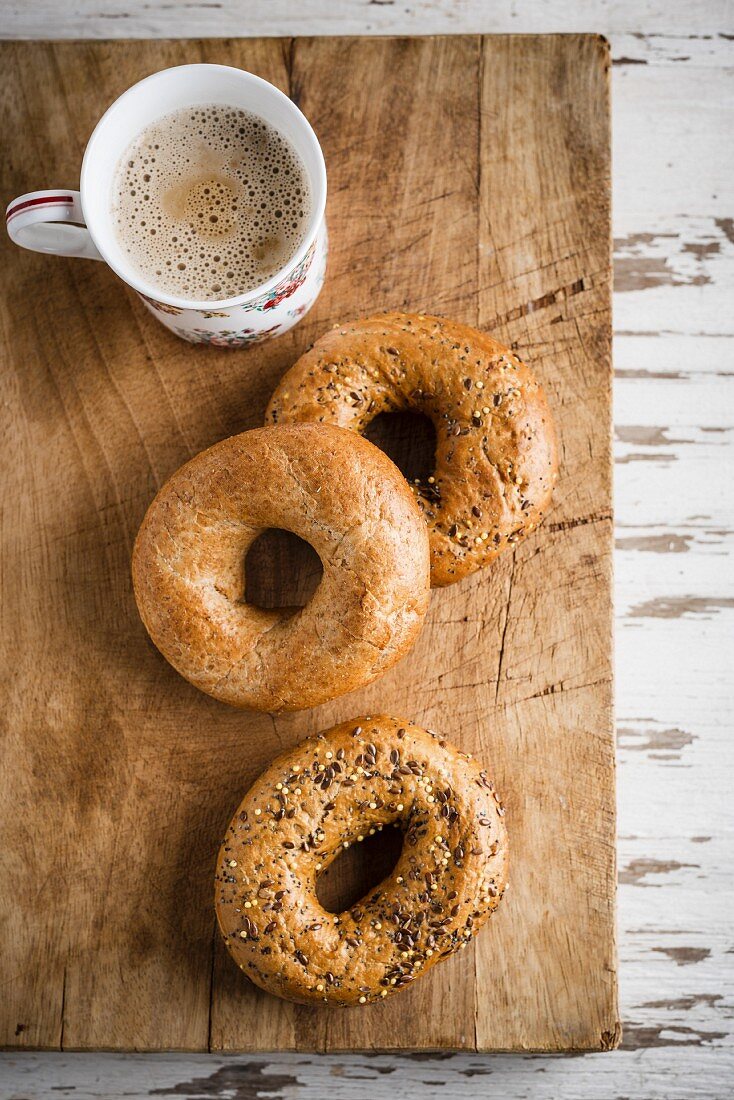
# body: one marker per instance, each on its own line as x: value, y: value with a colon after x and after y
x: 209, y: 202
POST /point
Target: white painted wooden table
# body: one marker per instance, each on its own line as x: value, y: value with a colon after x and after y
x: 673, y: 102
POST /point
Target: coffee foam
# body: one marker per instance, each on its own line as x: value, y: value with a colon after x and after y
x: 210, y: 202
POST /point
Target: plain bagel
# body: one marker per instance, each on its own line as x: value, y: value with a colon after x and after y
x: 336, y: 491
x: 496, y: 459
x: 334, y: 790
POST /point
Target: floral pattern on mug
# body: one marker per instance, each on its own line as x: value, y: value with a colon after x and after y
x: 227, y: 338
x: 286, y: 287
x: 242, y: 323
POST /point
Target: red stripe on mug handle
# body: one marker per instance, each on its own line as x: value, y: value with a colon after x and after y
x: 15, y: 208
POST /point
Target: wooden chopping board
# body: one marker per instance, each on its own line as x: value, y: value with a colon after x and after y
x: 469, y: 177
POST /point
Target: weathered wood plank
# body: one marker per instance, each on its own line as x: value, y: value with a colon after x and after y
x: 674, y: 368
x: 656, y: 1074
x: 237, y: 18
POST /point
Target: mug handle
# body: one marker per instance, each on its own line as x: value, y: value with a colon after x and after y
x: 51, y: 222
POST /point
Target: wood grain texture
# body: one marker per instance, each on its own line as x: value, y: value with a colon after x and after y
x: 123, y: 776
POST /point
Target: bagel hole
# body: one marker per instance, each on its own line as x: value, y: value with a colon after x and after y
x: 281, y: 571
x: 408, y: 438
x: 358, y: 869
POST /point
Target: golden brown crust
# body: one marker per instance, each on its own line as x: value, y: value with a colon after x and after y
x: 496, y: 461
x: 338, y: 787
x: 339, y: 493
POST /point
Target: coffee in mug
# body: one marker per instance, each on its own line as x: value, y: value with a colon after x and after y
x: 210, y: 202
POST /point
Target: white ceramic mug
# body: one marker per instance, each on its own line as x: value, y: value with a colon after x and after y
x: 79, y: 223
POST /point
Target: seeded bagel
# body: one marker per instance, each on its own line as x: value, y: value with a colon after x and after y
x: 496, y: 461
x: 334, y: 790
x: 339, y: 493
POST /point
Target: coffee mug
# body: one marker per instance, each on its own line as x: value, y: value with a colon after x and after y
x: 79, y: 223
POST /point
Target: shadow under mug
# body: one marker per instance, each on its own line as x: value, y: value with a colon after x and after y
x: 79, y: 223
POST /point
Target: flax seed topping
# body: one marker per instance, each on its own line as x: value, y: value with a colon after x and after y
x: 449, y: 877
